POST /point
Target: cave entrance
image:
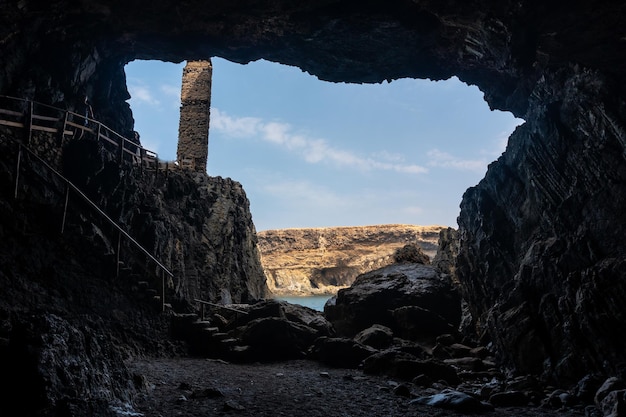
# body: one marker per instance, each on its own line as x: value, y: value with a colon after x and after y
x: 313, y: 154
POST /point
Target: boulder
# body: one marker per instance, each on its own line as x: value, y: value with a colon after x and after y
x: 416, y: 323
x: 374, y: 295
x: 509, y: 399
x: 403, y: 365
x: 377, y: 336
x: 411, y: 253
x: 614, y: 404
x: 609, y: 385
x: 340, y: 352
x: 587, y: 387
x: 273, y: 338
x: 284, y: 310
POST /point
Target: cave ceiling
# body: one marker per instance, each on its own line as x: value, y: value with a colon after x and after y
x: 499, y: 46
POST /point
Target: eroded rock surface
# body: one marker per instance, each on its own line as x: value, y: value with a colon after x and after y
x: 323, y: 260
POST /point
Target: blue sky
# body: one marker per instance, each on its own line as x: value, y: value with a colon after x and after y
x: 311, y: 153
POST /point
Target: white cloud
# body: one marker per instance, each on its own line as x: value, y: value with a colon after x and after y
x: 304, y: 193
x: 173, y: 94
x: 142, y: 94
x: 240, y: 127
x: 442, y: 159
x: 312, y: 150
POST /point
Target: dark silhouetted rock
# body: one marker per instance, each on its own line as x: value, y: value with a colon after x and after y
x: 608, y: 386
x: 585, y: 390
x: 340, y: 352
x: 416, y: 323
x: 376, y: 336
x: 374, y: 295
x: 273, y: 338
x: 411, y: 254
x: 403, y: 365
x: 447, y: 251
x: 280, y: 309
x: 509, y: 399
x: 614, y: 404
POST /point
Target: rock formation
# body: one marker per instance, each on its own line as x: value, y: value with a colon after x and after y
x: 322, y: 260
x: 67, y: 317
x: 541, y: 249
x: 411, y: 299
x: 195, y: 111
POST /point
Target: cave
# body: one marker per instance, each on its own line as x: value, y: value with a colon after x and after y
x: 541, y: 256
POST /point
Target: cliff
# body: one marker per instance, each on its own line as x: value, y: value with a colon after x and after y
x: 69, y: 313
x: 322, y: 260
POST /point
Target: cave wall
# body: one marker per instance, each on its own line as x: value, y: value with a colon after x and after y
x: 542, y: 253
x: 541, y: 261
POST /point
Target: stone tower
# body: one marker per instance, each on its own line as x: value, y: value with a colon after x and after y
x: 195, y: 108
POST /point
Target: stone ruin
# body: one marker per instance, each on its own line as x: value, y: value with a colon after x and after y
x: 195, y: 110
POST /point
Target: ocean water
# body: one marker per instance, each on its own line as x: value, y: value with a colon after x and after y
x: 316, y: 302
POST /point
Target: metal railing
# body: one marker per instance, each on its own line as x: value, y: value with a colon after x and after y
x: 207, y: 303
x: 48, y: 123
x: 33, y: 116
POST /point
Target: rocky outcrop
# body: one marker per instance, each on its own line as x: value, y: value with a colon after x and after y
x: 68, y: 319
x: 200, y: 227
x: 323, y: 260
x: 412, y: 299
x: 541, y: 249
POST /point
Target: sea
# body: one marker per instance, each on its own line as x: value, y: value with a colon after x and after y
x: 316, y: 302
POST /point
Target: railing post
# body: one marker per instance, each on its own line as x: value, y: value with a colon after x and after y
x: 117, y: 255
x: 163, y: 293
x: 64, y: 127
x: 30, y: 122
x: 67, y: 197
x: 17, y: 169
x: 122, y: 149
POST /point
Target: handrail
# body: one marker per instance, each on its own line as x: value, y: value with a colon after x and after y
x: 220, y: 306
x: 98, y: 209
x: 69, y: 185
x: 143, y: 155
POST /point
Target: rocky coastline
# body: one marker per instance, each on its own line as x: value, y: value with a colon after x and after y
x: 320, y: 261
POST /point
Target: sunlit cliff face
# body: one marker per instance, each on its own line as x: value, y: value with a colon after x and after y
x: 542, y: 254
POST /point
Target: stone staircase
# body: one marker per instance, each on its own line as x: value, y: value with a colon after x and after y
x: 208, y: 338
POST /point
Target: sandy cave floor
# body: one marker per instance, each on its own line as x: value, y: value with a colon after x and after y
x: 203, y: 387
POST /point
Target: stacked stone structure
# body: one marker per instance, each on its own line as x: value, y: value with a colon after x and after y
x: 195, y: 109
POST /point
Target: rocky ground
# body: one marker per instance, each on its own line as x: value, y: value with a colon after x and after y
x: 204, y: 387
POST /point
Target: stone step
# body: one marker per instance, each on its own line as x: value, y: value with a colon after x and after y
x: 229, y: 342
x: 143, y: 285
x: 239, y: 353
